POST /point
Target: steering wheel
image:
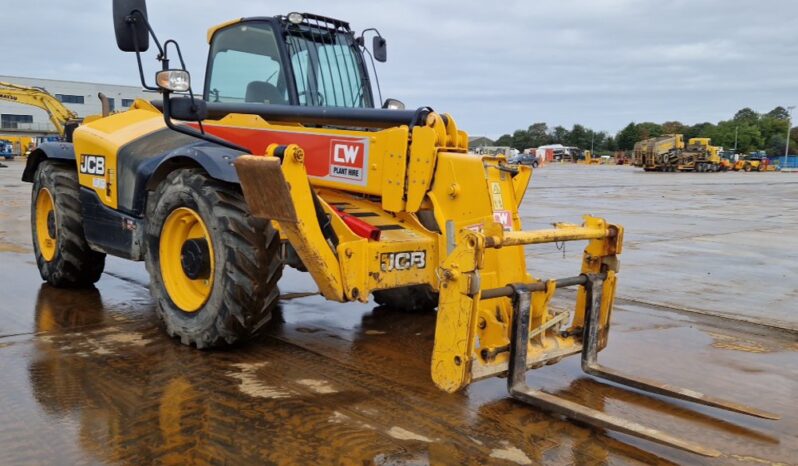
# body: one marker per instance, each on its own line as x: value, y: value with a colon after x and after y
x: 319, y: 97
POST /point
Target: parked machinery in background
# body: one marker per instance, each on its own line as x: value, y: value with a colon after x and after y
x: 754, y: 162
x: 700, y: 156
x: 7, y: 149
x: 669, y: 153
x: 659, y: 153
x: 587, y: 158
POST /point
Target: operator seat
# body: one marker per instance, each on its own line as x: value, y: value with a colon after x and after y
x: 263, y: 92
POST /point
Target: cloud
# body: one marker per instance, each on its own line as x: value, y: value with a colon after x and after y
x: 496, y: 66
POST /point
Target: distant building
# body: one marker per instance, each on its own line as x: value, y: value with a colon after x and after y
x: 475, y: 142
x: 80, y: 97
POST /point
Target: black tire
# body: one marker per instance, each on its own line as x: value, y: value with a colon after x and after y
x: 75, y: 264
x: 414, y: 298
x: 246, y: 253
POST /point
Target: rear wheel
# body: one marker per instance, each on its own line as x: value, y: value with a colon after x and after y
x: 213, y: 267
x: 415, y: 298
x: 63, y: 256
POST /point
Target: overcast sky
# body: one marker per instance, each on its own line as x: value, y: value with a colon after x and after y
x: 494, y: 65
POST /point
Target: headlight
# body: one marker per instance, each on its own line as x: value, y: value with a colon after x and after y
x: 295, y: 18
x: 173, y: 80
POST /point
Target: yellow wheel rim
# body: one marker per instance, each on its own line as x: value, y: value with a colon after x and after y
x: 181, y: 225
x: 46, y: 231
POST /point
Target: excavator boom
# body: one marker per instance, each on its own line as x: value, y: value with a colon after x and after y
x: 59, y: 115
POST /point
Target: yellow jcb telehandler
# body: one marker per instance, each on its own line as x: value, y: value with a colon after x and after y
x: 285, y: 160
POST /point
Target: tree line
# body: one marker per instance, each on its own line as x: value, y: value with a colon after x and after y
x: 748, y: 129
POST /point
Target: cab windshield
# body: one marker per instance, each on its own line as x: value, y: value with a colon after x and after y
x: 325, y: 70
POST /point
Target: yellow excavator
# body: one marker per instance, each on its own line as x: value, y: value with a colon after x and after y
x: 286, y: 159
x: 64, y: 119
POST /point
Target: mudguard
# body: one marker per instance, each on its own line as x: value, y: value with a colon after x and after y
x: 48, y: 150
x: 145, y: 162
x: 215, y: 159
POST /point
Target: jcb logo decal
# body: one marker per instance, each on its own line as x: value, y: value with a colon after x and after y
x: 347, y: 159
x: 403, y: 260
x: 92, y: 165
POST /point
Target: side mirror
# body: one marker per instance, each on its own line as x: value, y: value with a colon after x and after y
x: 187, y: 109
x: 393, y: 104
x: 130, y: 25
x: 380, y: 48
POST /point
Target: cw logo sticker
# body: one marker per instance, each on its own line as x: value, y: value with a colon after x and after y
x: 348, y: 159
x: 505, y: 218
x: 346, y: 153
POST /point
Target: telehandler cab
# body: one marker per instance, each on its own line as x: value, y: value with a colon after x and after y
x: 285, y: 160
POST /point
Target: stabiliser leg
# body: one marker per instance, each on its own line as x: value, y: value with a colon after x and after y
x: 518, y: 388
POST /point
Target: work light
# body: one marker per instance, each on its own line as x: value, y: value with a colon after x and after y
x: 173, y: 80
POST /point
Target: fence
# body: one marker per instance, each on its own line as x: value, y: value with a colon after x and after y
x: 791, y: 164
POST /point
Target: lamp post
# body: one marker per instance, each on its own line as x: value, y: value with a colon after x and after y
x: 787, y: 145
x: 735, y: 138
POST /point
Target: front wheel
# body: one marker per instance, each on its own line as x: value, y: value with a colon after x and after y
x: 62, y: 253
x: 213, y: 267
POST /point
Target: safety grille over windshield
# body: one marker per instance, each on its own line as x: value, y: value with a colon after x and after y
x: 327, y: 65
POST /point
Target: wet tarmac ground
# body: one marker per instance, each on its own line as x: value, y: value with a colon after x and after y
x: 89, y: 377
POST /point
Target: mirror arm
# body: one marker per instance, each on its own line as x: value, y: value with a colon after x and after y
x: 135, y: 16
x: 144, y: 84
x: 141, y: 74
x: 177, y: 48
x: 364, y: 31
x: 167, y: 116
x: 374, y: 71
x: 141, y: 17
x: 361, y: 41
x: 183, y: 66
